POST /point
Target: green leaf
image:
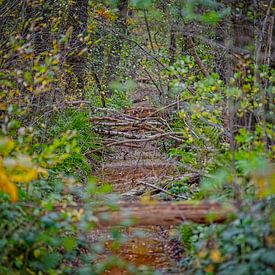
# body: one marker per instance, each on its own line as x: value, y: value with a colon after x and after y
x: 216, y: 181
x: 142, y: 4
x: 51, y: 260
x: 69, y: 243
x: 104, y: 188
x: 268, y: 257
x: 28, y: 76
x: 211, y: 17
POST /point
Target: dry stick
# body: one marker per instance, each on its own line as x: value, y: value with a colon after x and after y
x: 128, y: 123
x: 145, y: 51
x: 160, y: 89
x: 97, y: 109
x: 152, y: 128
x: 168, y: 180
x: 154, y: 137
x: 132, y: 145
x: 196, y: 57
x: 117, y: 111
x: 147, y: 125
x: 215, y: 44
x: 118, y: 133
x: 269, y: 43
x: 163, y: 108
x: 139, y: 157
x: 125, y: 116
x: 151, y: 78
x: 102, y: 119
x: 117, y: 33
x: 137, y: 137
x: 77, y: 102
x: 148, y: 30
x: 162, y: 190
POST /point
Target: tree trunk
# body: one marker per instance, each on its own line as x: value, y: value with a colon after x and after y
x: 114, y: 56
x: 165, y: 213
x: 77, y: 17
x: 173, y: 44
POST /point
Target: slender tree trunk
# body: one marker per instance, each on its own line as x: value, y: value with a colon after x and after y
x: 114, y: 56
x: 173, y: 43
x: 260, y: 59
x: 77, y: 18
x: 231, y: 110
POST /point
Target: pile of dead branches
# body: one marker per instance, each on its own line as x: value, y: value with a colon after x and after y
x: 134, y: 126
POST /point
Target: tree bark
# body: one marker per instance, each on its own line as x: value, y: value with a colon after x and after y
x: 166, y: 213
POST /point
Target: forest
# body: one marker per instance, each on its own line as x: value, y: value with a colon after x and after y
x: 137, y: 137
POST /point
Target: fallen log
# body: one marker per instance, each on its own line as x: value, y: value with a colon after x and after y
x: 165, y: 213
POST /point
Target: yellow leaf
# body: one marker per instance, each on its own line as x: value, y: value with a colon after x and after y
x: 209, y: 268
x: 202, y: 253
x: 147, y: 199
x: 24, y: 175
x: 3, y: 107
x: 20, y: 169
x: 213, y: 88
x: 265, y: 184
x: 36, y: 253
x: 215, y: 256
x: 270, y: 240
x: 6, y: 145
x: 7, y: 186
x: 43, y: 172
x: 105, y: 14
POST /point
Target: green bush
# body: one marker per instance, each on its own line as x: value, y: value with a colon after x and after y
x: 245, y: 246
x: 78, y: 163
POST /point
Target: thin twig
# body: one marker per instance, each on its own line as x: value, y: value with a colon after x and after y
x: 163, y: 190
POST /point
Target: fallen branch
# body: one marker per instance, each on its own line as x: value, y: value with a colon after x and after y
x: 163, y: 190
x: 165, y: 213
x: 196, y: 56
x: 104, y: 118
x: 127, y: 123
x: 118, y: 133
x: 151, y: 138
x: 137, y: 138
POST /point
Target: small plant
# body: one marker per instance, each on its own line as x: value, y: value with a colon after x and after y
x: 245, y: 246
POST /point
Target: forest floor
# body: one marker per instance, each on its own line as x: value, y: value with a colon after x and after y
x: 135, y: 169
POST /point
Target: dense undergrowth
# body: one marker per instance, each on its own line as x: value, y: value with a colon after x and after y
x: 48, y: 150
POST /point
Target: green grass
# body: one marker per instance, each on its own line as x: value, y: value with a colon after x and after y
x: 78, y: 163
